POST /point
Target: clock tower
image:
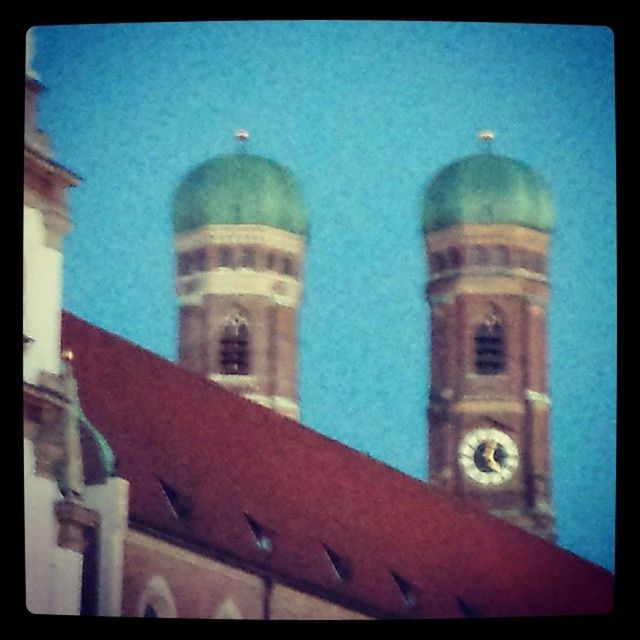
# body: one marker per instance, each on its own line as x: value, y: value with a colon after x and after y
x: 487, y: 220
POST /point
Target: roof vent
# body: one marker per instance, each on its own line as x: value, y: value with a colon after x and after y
x: 407, y: 590
x: 263, y: 536
x: 341, y: 565
x: 179, y: 504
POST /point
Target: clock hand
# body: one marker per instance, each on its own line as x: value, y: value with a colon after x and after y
x: 489, y: 453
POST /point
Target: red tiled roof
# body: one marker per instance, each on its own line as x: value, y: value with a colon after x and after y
x: 225, y: 458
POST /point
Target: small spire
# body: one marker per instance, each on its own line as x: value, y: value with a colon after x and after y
x: 486, y: 137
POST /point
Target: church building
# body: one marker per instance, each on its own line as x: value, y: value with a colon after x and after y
x: 191, y: 489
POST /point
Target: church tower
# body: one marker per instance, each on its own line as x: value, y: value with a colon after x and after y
x: 240, y: 227
x: 487, y: 220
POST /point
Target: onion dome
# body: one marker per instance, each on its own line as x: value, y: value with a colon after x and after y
x: 487, y: 189
x: 239, y: 188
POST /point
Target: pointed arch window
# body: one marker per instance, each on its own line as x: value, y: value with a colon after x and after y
x: 490, y: 346
x: 234, y: 348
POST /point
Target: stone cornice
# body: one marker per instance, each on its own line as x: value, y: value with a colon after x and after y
x: 74, y: 519
x: 507, y: 234
x: 227, y: 234
x: 490, y: 271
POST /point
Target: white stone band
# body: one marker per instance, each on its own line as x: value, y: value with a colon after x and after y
x: 537, y: 396
x: 229, y: 234
x: 280, y: 289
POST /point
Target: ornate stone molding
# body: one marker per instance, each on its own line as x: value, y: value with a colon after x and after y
x: 511, y: 234
x: 515, y: 272
x: 74, y: 520
x: 280, y: 289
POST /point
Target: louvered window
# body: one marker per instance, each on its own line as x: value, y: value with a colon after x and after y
x: 489, y: 347
x: 234, y: 349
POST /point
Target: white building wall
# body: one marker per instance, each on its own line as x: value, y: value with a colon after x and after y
x: 67, y: 581
x: 42, y: 298
x: 53, y: 576
x: 111, y: 501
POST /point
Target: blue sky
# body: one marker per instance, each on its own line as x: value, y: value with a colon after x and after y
x: 364, y: 114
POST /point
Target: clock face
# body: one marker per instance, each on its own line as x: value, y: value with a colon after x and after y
x: 488, y: 456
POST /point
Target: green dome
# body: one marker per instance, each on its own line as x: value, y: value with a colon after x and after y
x: 239, y: 188
x: 488, y: 189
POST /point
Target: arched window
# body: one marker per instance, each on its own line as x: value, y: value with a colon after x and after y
x: 500, y: 256
x: 455, y: 258
x: 226, y: 257
x: 480, y: 255
x: 271, y: 261
x: 234, y: 348
x: 199, y: 260
x: 439, y: 263
x: 538, y: 263
x: 156, y: 600
x: 287, y: 266
x: 248, y: 257
x: 489, y: 346
x: 228, y: 610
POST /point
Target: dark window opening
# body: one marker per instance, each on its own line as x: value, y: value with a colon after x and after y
x: 271, y: 261
x: 198, y: 260
x: 340, y: 564
x: 263, y: 536
x: 455, y: 258
x: 179, y: 504
x: 489, y: 348
x: 226, y: 257
x: 184, y: 264
x: 407, y: 590
x: 90, y: 574
x: 234, y: 349
x: 501, y: 256
x: 150, y: 612
x: 481, y: 256
x: 287, y: 266
x: 538, y: 263
x: 439, y: 262
x: 248, y: 258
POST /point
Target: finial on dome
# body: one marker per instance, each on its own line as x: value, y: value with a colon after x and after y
x: 485, y: 138
x: 242, y: 135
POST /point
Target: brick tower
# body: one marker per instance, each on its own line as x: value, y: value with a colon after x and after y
x: 487, y: 221
x: 240, y: 226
